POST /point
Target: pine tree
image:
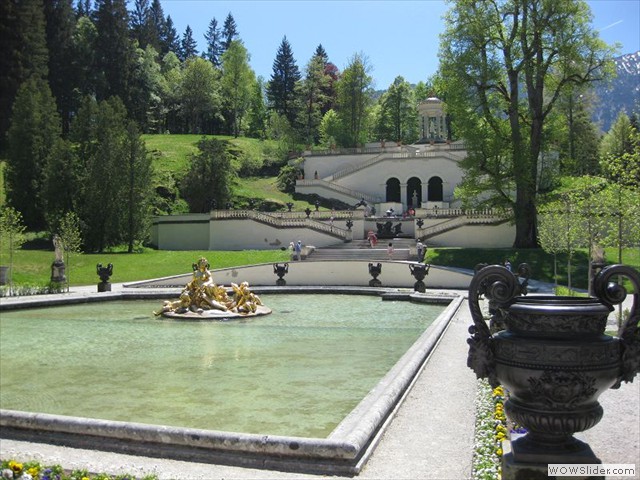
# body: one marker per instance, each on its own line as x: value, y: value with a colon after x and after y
x: 257, y: 111
x: 169, y: 38
x: 229, y: 32
x: 138, y: 190
x: 63, y: 64
x: 23, y: 53
x: 312, y: 94
x: 188, y: 46
x: 114, y: 51
x: 214, y: 47
x: 140, y: 22
x: 156, y: 26
x: 35, y: 126
x: 281, y: 89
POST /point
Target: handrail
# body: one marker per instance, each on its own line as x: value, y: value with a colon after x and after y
x: 470, y: 218
x: 338, y: 188
x: 297, y: 220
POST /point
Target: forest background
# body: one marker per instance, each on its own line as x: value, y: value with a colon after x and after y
x: 88, y: 87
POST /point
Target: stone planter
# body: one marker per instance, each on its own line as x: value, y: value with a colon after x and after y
x: 553, y: 357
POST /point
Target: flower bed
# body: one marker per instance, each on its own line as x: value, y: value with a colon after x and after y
x: 12, y: 470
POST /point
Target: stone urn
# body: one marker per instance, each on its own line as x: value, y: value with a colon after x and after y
x: 374, y: 271
x: 104, y: 273
x: 553, y: 357
x: 281, y: 270
x: 419, y: 272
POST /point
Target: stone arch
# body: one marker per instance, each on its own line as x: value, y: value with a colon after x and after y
x: 414, y: 188
x: 393, y: 190
x: 435, y: 190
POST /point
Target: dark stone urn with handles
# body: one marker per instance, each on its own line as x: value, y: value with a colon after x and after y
x: 553, y: 356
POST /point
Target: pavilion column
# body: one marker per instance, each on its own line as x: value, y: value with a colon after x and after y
x: 403, y: 196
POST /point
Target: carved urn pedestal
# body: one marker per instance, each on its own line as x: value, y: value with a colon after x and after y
x: 419, y: 271
x: 554, y: 359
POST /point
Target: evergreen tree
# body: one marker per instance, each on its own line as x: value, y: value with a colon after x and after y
x: 229, y: 32
x: 23, y: 54
x: 61, y: 183
x: 63, y: 65
x: 331, y: 74
x: 114, y: 51
x: 237, y: 79
x: 188, y: 46
x: 146, y: 87
x: 169, y: 40
x: 281, y: 90
x: 209, y: 177
x: 214, y: 47
x: 312, y: 94
x: 156, y: 26
x: 138, y: 191
x: 143, y: 27
x: 35, y: 126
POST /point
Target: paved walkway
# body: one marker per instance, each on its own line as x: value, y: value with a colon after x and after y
x: 430, y: 436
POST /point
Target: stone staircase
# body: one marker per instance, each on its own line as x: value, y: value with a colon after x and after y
x: 360, y: 250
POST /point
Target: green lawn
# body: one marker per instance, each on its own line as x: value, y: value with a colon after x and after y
x: 33, y: 267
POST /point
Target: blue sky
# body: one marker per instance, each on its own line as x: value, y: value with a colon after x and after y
x: 398, y: 37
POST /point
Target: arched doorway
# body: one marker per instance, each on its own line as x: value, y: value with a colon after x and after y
x: 414, y: 192
x: 393, y: 190
x: 435, y: 190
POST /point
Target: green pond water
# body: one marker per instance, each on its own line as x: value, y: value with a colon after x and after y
x: 298, y: 371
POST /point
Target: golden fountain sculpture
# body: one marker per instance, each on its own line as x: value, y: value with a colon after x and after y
x: 203, y: 299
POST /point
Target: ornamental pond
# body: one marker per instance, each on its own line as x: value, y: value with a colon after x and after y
x: 297, y: 373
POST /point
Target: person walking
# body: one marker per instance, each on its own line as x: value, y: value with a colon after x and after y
x: 390, y: 251
x: 298, y: 251
x: 420, y: 250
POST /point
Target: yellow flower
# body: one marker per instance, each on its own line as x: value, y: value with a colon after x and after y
x: 15, y: 466
x: 499, y: 452
x: 86, y: 478
x: 33, y: 471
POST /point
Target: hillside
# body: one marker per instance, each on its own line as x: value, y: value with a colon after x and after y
x: 622, y: 94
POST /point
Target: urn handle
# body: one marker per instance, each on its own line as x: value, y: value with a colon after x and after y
x: 612, y: 293
x: 500, y: 286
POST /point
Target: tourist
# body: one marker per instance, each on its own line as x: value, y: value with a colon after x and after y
x: 298, y: 251
x: 390, y: 251
x: 507, y: 264
x: 420, y: 250
x: 373, y: 239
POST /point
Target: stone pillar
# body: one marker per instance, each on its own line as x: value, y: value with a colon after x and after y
x: 403, y: 196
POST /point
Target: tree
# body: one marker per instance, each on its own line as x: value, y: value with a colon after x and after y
x: 282, y: 88
x: 11, y: 237
x: 169, y: 40
x: 137, y: 189
x: 237, y: 79
x: 61, y: 184
x: 157, y: 26
x: 354, y: 101
x: 35, y: 126
x: 63, y: 66
x: 200, y: 94
x: 84, y: 39
x: 229, y: 32
x: 188, y: 45
x: 399, y: 114
x: 147, y: 88
x: 313, y: 98
x: 23, y: 54
x: 209, y: 177
x: 113, y: 50
x: 503, y: 66
x: 213, y: 36
x: 330, y: 129
x: 70, y: 234
x: 559, y: 232
x: 257, y: 111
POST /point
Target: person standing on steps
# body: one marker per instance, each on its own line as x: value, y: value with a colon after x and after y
x: 390, y: 251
